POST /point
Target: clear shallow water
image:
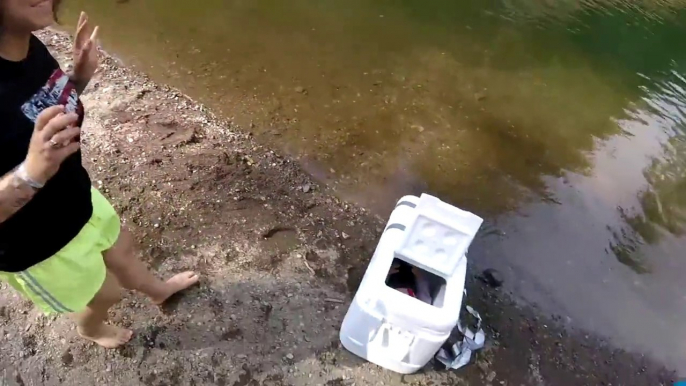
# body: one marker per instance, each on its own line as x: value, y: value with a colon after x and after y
x: 561, y: 121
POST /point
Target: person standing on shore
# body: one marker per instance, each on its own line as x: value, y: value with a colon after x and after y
x: 61, y: 242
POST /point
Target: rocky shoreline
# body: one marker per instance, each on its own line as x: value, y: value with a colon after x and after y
x: 280, y: 257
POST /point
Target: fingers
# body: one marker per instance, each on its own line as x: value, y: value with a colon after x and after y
x: 88, y: 45
x: 68, y: 150
x: 57, y: 124
x: 83, y: 18
x: 47, y: 115
x: 67, y: 135
x: 83, y: 30
x: 94, y: 35
x: 85, y: 38
x: 91, y: 41
x: 85, y: 50
x: 80, y: 28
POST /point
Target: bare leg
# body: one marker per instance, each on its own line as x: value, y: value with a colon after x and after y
x: 134, y: 275
x: 91, y: 321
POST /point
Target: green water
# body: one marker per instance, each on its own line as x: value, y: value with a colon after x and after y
x: 494, y: 94
x: 560, y: 121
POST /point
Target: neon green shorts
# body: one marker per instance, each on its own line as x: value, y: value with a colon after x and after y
x: 68, y: 281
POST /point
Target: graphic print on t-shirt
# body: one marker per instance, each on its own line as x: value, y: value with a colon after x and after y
x: 59, y: 90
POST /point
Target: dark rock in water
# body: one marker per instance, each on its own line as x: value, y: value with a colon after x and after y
x: 492, y: 277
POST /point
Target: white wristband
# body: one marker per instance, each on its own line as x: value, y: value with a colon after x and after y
x: 23, y: 175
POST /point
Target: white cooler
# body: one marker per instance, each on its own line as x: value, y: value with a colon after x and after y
x: 388, y: 327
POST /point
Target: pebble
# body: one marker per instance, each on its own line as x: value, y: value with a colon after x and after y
x: 491, y: 376
x: 492, y: 277
x: 289, y: 356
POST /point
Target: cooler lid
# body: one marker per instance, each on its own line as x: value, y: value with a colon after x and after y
x: 438, y: 236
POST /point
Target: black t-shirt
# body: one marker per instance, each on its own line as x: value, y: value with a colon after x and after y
x: 58, y: 212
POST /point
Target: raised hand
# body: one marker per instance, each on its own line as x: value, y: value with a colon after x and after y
x: 85, y: 52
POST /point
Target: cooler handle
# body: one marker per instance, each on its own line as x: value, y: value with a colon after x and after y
x: 392, y: 341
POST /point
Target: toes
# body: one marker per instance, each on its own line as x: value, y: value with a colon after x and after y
x: 126, y: 336
x: 177, y: 283
x: 111, y: 337
x: 190, y: 275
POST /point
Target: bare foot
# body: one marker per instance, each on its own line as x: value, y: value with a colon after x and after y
x: 178, y: 282
x: 108, y: 336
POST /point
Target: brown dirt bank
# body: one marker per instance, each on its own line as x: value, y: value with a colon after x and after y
x: 280, y: 258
